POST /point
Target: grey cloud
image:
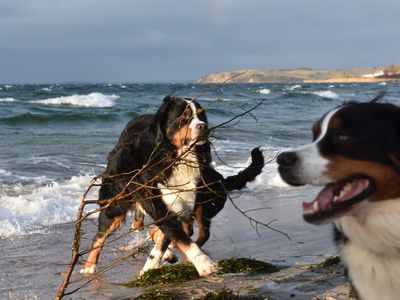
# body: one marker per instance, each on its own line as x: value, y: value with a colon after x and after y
x: 156, y: 40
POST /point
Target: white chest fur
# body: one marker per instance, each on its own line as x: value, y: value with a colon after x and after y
x: 178, y: 192
x: 372, y: 253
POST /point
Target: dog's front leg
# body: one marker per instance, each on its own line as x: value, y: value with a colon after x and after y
x: 156, y: 254
x: 202, y: 262
x: 155, y: 234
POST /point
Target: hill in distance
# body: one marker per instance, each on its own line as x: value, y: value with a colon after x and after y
x: 375, y: 74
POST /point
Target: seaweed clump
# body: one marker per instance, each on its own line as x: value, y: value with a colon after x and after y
x: 226, y: 294
x: 329, y: 262
x: 157, y: 295
x: 246, y: 265
x: 165, y: 274
x: 184, y: 272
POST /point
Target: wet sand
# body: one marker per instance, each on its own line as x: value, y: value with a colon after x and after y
x: 32, y: 266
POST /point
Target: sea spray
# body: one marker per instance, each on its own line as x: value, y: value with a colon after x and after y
x: 90, y: 100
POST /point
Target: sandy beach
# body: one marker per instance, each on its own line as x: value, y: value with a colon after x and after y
x: 41, y: 185
x: 34, y: 265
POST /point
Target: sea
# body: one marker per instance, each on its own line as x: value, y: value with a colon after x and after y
x: 54, y: 138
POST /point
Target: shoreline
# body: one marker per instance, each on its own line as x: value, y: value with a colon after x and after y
x: 351, y: 80
x: 321, y: 281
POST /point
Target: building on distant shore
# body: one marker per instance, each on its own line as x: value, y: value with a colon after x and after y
x: 375, y: 74
x: 391, y: 73
x: 383, y: 74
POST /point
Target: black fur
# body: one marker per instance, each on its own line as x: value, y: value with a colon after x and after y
x: 145, y: 152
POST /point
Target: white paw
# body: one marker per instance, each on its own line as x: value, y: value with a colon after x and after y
x: 88, y: 270
x: 153, y: 261
x: 142, y: 271
x: 205, y: 265
x: 149, y: 265
x: 169, y: 256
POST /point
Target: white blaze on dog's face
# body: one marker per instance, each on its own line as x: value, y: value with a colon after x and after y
x: 355, y: 155
x: 311, y: 165
x: 196, y: 126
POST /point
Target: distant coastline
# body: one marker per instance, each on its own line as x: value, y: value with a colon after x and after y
x: 304, y: 75
x: 351, y: 79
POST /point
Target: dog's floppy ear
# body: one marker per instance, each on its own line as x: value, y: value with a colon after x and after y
x: 160, y: 119
x: 378, y: 97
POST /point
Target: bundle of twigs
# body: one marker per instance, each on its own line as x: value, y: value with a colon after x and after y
x: 128, y: 193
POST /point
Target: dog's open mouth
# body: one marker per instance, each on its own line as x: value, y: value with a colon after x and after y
x: 336, y: 198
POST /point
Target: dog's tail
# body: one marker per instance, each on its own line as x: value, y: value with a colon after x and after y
x: 238, y: 181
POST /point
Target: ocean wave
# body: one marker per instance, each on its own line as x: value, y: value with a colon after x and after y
x: 90, y: 100
x: 4, y: 173
x: 47, y: 89
x: 326, y: 94
x: 7, y: 177
x: 8, y: 99
x: 31, y: 118
x: 33, y: 208
x: 264, y: 91
x: 269, y: 177
x: 293, y: 87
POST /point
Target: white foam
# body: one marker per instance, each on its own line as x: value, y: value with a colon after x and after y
x: 90, y: 100
x: 46, y: 89
x: 8, y: 86
x: 4, y: 172
x: 8, y: 99
x: 264, y: 91
x: 382, y: 83
x: 29, y: 208
x: 293, y: 87
x: 269, y: 177
x: 326, y: 94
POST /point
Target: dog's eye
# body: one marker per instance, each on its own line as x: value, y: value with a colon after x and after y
x: 342, y: 136
x: 184, y: 118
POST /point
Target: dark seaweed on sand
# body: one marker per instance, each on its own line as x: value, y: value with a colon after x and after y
x: 246, y: 265
x: 329, y: 262
x: 226, y: 294
x: 182, y: 272
x: 157, y: 295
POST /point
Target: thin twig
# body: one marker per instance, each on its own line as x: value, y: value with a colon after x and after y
x: 132, y: 188
x: 258, y: 222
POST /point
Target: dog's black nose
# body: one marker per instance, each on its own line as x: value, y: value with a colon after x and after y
x: 286, y: 158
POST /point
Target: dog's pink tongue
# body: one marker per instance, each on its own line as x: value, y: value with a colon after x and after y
x: 335, y: 194
x: 322, y: 202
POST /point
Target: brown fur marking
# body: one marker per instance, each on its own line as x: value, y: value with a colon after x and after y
x: 99, y: 243
x: 180, y: 135
x: 386, y: 180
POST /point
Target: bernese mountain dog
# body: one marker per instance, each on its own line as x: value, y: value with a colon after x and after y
x: 161, y: 167
x: 355, y: 155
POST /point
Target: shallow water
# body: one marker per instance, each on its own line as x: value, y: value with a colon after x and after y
x: 32, y: 264
x: 55, y: 138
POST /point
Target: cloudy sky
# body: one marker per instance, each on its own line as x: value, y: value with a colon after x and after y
x: 180, y: 40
